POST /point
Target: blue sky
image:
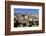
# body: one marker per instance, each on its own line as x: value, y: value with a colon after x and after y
x: 29, y: 11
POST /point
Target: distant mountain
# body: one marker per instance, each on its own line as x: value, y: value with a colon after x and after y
x: 26, y: 14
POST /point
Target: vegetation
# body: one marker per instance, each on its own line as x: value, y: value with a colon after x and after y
x: 22, y: 21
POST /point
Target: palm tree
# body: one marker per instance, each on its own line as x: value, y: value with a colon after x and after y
x: 33, y: 20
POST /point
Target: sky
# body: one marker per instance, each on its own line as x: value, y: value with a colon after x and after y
x: 28, y: 11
